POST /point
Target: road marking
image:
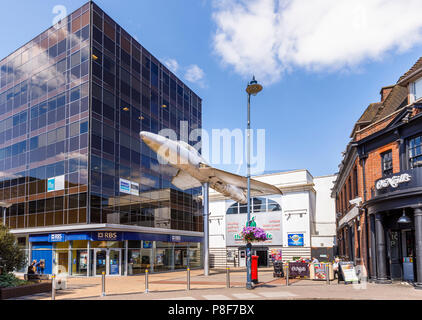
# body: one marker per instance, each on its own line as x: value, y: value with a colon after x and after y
x: 216, y: 297
x: 277, y: 294
x: 244, y: 296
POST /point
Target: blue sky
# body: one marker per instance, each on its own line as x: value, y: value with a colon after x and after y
x: 319, y: 72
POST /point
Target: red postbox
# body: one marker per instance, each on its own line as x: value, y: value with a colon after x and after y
x: 254, y: 269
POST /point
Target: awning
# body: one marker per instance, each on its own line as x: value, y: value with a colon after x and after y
x: 353, y: 213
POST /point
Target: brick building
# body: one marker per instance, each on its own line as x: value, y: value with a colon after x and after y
x: 379, y: 186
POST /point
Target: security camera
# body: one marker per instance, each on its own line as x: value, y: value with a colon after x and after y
x: 356, y: 201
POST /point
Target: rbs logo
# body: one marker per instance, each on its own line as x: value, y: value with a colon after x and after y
x: 107, y: 236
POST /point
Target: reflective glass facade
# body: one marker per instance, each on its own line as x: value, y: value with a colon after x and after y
x: 72, y: 103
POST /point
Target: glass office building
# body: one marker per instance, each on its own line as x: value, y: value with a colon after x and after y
x: 88, y: 196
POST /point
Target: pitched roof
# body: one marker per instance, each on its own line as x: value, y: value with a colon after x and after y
x: 416, y: 68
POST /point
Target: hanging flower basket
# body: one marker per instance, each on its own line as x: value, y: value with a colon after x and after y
x: 253, y: 234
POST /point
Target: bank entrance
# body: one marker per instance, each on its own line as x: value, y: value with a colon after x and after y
x: 107, y: 261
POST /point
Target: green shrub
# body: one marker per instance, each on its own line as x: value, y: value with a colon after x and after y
x: 11, y: 256
x: 9, y: 281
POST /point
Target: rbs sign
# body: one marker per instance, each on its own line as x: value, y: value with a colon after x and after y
x: 107, y: 236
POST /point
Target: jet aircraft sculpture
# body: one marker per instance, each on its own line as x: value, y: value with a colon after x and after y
x: 193, y: 171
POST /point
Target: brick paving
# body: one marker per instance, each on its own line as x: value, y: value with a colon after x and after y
x: 172, y: 286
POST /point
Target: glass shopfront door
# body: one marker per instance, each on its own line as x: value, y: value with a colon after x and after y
x: 114, y: 262
x: 108, y: 261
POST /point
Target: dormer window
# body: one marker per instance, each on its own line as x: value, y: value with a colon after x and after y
x: 416, y: 90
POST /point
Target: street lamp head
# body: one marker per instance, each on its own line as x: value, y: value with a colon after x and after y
x: 253, y: 87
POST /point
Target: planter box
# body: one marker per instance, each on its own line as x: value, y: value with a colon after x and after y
x: 7, y: 293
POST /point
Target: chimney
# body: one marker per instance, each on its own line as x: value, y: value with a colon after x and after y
x: 385, y: 92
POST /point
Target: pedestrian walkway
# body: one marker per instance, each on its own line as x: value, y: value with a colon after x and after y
x: 173, y: 286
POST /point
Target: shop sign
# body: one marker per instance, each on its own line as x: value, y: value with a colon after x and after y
x: 348, y: 272
x: 57, y: 237
x: 129, y: 187
x: 107, y: 236
x: 295, y: 240
x: 394, y: 182
x: 298, y: 269
x: 147, y: 244
x: 55, y: 184
x: 175, y: 239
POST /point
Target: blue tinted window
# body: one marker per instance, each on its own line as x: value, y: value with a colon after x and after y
x: 75, y: 94
x: 84, y: 127
x: 33, y: 143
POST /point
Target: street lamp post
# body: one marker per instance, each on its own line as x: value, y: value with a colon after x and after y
x: 253, y: 89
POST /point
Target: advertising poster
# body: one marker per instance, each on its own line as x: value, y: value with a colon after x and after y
x: 147, y: 245
x: 348, y: 271
x: 320, y: 272
x: 295, y: 240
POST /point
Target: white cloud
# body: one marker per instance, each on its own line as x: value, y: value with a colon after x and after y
x: 172, y: 64
x: 266, y: 37
x: 195, y: 74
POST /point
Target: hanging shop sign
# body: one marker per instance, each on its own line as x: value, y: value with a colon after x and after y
x: 295, y: 240
x: 394, y: 182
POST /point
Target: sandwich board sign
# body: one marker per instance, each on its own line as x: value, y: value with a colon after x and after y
x: 347, y: 272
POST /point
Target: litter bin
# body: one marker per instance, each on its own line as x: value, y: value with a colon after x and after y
x: 254, y: 269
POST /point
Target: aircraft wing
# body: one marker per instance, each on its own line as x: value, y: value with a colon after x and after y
x: 257, y: 187
x: 185, y: 181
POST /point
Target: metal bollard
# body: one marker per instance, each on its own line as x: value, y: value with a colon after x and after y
x: 53, y: 287
x: 188, y: 282
x: 287, y: 275
x: 228, y: 278
x: 146, y: 281
x: 327, y: 273
x: 103, y: 284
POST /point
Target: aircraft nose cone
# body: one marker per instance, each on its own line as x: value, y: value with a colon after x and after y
x: 152, y: 140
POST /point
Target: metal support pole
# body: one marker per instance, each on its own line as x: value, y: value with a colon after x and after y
x: 188, y: 282
x: 146, y: 281
x: 249, y: 285
x: 228, y: 278
x: 4, y: 216
x: 418, y: 244
x: 287, y: 275
x: 327, y: 273
x: 103, y: 293
x: 53, y: 287
x: 205, y: 190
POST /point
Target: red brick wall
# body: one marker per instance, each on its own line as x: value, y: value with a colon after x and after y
x: 373, y: 168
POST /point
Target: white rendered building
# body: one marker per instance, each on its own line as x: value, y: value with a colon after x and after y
x: 300, y: 223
